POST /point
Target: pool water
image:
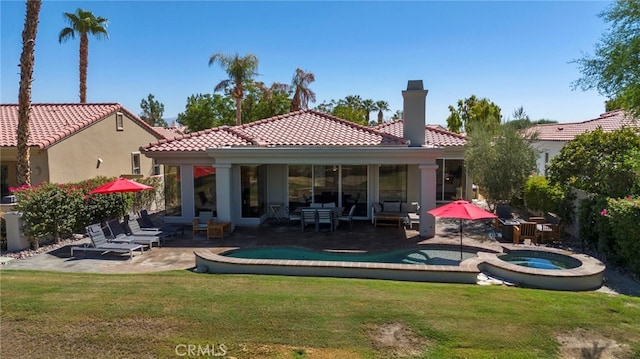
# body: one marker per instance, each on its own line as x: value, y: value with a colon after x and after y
x: 540, y: 260
x: 404, y: 256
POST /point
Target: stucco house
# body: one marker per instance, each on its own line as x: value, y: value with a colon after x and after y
x: 551, y: 137
x: 73, y: 142
x: 307, y: 156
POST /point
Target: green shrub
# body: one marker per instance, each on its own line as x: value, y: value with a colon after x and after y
x: 49, y: 210
x: 58, y: 210
x: 541, y: 195
x: 624, y: 219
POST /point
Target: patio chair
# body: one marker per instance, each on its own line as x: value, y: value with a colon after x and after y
x: 528, y: 230
x: 119, y: 235
x: 100, y: 243
x: 292, y: 217
x: 200, y: 224
x: 349, y: 217
x: 325, y: 216
x: 308, y: 216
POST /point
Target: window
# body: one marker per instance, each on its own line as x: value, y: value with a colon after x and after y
x: 156, y: 167
x: 135, y: 163
x: 450, y: 180
x: 393, y: 183
x: 253, y: 181
x: 204, y: 189
x: 119, y: 121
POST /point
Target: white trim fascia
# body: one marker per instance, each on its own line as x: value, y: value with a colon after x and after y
x: 324, y: 155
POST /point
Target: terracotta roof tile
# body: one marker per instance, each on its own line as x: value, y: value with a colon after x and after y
x: 300, y: 128
x: 50, y: 123
x: 434, y: 135
x: 609, y: 121
x: 198, y: 141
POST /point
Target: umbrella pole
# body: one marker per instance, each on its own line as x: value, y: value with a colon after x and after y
x: 460, y: 239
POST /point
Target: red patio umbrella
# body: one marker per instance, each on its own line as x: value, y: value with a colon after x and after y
x: 121, y: 185
x: 461, y: 210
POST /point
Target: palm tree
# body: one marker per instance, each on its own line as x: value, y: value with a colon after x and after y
x: 381, y: 106
x: 368, y: 105
x: 302, y: 93
x: 27, y: 60
x: 240, y: 70
x: 83, y: 22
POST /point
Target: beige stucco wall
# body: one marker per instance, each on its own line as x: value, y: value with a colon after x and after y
x: 76, y: 157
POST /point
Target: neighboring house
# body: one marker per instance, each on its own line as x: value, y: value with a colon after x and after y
x: 171, y: 131
x: 306, y: 156
x: 551, y: 137
x: 74, y: 142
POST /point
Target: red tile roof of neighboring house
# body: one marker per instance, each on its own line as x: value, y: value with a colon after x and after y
x: 434, y: 135
x: 199, y: 141
x: 52, y: 122
x: 170, y: 132
x: 609, y: 121
x: 300, y: 128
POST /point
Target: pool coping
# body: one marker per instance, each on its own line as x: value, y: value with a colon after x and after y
x: 587, y: 276
x: 467, y: 272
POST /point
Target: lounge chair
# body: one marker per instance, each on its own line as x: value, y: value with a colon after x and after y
x: 148, y: 224
x: 133, y: 228
x: 100, y: 243
x: 119, y: 235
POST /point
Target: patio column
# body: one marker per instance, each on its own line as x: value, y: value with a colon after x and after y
x: 427, y: 199
x: 224, y: 193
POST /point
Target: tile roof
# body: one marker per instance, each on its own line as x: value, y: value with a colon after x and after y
x: 434, y: 135
x: 609, y: 121
x: 53, y: 122
x: 170, y: 132
x: 300, y: 128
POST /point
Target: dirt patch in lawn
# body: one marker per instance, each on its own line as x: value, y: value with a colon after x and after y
x: 396, y: 340
x: 583, y: 344
x: 276, y: 351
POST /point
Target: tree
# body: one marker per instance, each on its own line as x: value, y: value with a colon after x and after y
x: 263, y: 102
x: 207, y: 111
x: 240, y: 70
x: 27, y: 62
x: 613, y: 104
x: 381, y: 106
x: 302, y: 94
x: 614, y: 70
x: 152, y: 111
x: 472, y: 112
x: 605, y: 163
x: 499, y: 163
x: 397, y: 115
x: 350, y: 108
x: 83, y: 22
x: 368, y: 106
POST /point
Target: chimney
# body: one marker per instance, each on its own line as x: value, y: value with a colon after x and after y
x: 415, y: 106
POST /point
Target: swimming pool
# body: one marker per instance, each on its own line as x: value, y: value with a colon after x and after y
x: 540, y: 260
x: 545, y: 268
x: 426, y: 263
x: 424, y: 256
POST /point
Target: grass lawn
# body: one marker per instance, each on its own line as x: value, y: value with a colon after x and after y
x: 56, y: 315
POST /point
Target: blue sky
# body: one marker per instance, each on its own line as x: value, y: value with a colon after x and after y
x: 513, y: 53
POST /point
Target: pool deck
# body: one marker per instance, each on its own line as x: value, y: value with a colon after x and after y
x: 178, y: 253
